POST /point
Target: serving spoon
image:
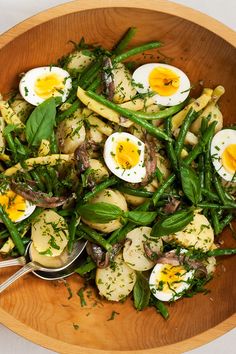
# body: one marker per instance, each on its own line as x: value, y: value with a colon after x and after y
x: 45, y: 273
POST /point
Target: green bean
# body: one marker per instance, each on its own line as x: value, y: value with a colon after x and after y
x: 95, y: 84
x: 136, y: 50
x: 53, y: 144
x: 65, y: 212
x: 201, y: 171
x: 207, y: 172
x: 160, y: 190
x: 170, y: 146
x: 137, y: 192
x: 159, y: 174
x: 60, y: 117
x: 215, y: 222
x: 72, y: 96
x: 221, y: 192
x: 92, y: 69
x: 201, y: 144
x: 107, y: 183
x: 72, y: 228
x: 86, y: 267
x: 210, y: 195
x: 151, y: 129
x: 91, y: 80
x: 216, y: 206
x: 222, y: 252
x: 226, y: 221
x: 190, y: 117
x: 37, y: 179
x: 4, y: 234
x: 96, y: 237
x: 11, y: 145
x: 167, y: 112
x: 124, y: 41
x: 53, y: 176
x: 47, y: 179
x: 161, y: 308
x: 20, y: 147
x: 15, y: 236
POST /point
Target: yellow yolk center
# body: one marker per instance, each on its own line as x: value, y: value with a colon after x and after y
x: 14, y: 204
x: 170, y: 277
x: 164, y: 81
x: 229, y: 158
x: 49, y: 85
x: 127, y: 154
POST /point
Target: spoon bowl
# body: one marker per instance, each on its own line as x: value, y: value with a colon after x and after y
x: 43, y: 272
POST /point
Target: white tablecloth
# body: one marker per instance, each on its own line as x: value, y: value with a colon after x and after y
x: 14, y: 11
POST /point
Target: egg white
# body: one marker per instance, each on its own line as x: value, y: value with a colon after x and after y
x: 132, y: 175
x: 168, y: 295
x: 219, y: 143
x: 26, y: 85
x: 140, y: 78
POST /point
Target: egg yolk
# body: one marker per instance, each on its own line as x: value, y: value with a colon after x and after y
x: 170, y: 277
x: 127, y: 154
x: 14, y: 204
x: 229, y: 158
x: 164, y: 81
x: 49, y: 85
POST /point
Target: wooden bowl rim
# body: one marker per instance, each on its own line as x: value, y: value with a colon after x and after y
x: 166, y: 7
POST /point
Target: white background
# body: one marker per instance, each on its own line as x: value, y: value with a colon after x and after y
x: 14, y: 11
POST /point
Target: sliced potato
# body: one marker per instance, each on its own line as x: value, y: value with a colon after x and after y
x: 44, y: 148
x: 210, y: 264
x: 100, y: 172
x: 71, y: 133
x: 190, y: 138
x: 98, y: 124
x: 95, y: 135
x: 116, y: 282
x: 49, y: 233
x: 79, y: 60
x: 9, y: 115
x: 124, y: 90
x: 133, y: 252
x: 21, y: 108
x: 47, y: 260
x: 112, y: 197
x: 198, y: 234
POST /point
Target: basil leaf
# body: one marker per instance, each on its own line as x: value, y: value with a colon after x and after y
x: 172, y: 223
x: 141, y: 292
x: 190, y: 184
x: 100, y: 212
x: 41, y: 122
x: 141, y: 217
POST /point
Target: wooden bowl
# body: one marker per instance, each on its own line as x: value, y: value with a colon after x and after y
x: 40, y: 310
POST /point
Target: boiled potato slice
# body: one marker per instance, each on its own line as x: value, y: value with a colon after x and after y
x: 133, y: 252
x: 124, y: 90
x: 210, y: 264
x: 9, y: 115
x: 97, y: 123
x: 112, y: 197
x: 100, y: 172
x: 50, y: 233
x: 21, y: 108
x: 116, y: 282
x: 198, y: 234
x: 46, y: 260
x: 71, y: 133
x: 44, y: 148
x: 79, y: 60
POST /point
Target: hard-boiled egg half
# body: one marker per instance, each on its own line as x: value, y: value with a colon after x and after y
x: 124, y: 156
x: 170, y: 84
x: 167, y: 282
x: 39, y: 84
x: 15, y: 205
x: 223, y: 153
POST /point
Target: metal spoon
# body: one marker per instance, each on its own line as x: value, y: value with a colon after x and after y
x: 53, y: 273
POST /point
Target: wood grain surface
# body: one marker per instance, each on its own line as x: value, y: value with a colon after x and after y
x: 40, y: 310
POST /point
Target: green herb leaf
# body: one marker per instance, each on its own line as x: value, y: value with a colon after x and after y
x: 141, y: 217
x: 141, y: 292
x: 161, y: 308
x: 172, y: 223
x: 100, y: 212
x: 190, y: 184
x: 41, y: 122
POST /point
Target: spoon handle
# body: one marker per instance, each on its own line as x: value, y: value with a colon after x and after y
x: 29, y: 267
x: 13, y: 262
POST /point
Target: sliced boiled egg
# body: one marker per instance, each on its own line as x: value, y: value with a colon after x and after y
x: 124, y: 156
x: 41, y: 83
x: 168, y: 282
x: 170, y: 84
x: 15, y: 205
x: 223, y: 153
